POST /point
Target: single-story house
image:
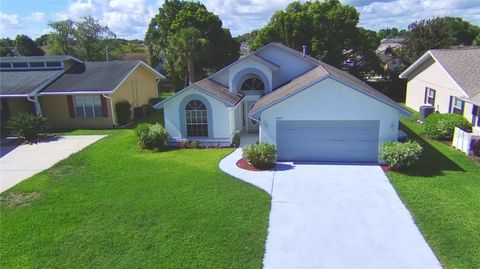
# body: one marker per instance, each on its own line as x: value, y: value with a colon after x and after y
x: 448, y: 80
x: 386, y: 53
x: 310, y: 110
x: 71, y: 93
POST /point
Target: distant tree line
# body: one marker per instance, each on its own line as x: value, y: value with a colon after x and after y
x: 191, y: 43
x: 85, y: 39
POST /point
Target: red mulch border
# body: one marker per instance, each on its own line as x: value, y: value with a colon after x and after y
x: 385, y: 168
x: 243, y: 164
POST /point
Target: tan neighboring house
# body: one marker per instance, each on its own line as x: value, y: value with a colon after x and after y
x: 71, y: 93
x: 447, y: 79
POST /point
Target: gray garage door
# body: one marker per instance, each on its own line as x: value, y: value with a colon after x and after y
x: 328, y: 141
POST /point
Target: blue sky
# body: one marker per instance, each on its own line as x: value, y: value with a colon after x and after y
x: 129, y: 18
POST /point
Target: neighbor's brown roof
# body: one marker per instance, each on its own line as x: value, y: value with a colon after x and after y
x: 316, y: 74
x: 218, y: 90
x: 136, y: 56
x: 463, y: 65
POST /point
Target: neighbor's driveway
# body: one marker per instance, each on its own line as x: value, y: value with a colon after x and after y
x: 21, y: 162
x: 336, y: 216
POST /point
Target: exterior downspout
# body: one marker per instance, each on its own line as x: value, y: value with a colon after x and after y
x: 111, y: 107
x: 156, y: 86
x: 34, y: 98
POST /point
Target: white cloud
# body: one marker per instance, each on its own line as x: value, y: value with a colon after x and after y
x: 400, y: 13
x: 130, y: 18
x: 243, y: 16
x: 36, y: 17
x: 126, y: 18
x: 9, y: 22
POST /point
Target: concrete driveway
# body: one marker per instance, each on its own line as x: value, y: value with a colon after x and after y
x: 336, y: 216
x: 19, y: 162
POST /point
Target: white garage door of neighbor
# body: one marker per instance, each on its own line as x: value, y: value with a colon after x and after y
x: 328, y: 141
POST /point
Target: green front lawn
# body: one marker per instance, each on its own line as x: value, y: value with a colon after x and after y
x: 112, y: 206
x: 443, y: 193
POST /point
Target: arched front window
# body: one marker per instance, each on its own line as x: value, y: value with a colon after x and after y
x: 196, y: 118
x: 252, y: 84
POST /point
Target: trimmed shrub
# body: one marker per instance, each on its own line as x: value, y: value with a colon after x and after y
x: 151, y: 136
x: 260, y: 155
x: 442, y: 126
x: 27, y: 126
x: 476, y: 148
x: 400, y: 155
x: 124, y: 112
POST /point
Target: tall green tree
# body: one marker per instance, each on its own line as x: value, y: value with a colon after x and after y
x: 391, y: 33
x: 175, y: 15
x: 187, y: 45
x: 61, y: 40
x: 327, y: 28
x: 461, y: 32
x: 86, y: 39
x: 6, y: 45
x: 425, y: 35
x: 89, y: 34
x: 41, y: 40
x: 25, y: 46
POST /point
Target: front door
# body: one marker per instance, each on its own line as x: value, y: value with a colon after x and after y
x: 252, y: 125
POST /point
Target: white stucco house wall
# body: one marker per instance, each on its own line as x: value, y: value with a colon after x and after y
x: 310, y: 110
x: 448, y: 80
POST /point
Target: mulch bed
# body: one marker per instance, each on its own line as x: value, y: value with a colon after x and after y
x: 385, y: 168
x: 243, y: 163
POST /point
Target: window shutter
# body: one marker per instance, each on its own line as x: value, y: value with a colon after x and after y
x: 71, y: 109
x: 474, y: 110
x: 450, y: 105
x: 426, y: 95
x: 103, y: 100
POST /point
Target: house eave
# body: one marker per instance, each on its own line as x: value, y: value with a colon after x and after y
x: 256, y: 115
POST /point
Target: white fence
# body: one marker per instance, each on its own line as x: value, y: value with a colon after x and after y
x: 463, y: 140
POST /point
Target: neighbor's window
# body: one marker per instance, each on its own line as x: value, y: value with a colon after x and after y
x: 88, y: 106
x: 458, y: 106
x: 252, y: 84
x: 51, y: 64
x: 196, y: 119
x: 37, y: 64
x: 19, y: 65
x: 5, y: 65
x: 430, y: 98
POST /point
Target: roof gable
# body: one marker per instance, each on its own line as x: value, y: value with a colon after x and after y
x: 211, y: 88
x: 312, y: 77
x: 461, y: 65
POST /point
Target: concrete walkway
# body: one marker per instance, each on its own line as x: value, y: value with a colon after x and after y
x: 335, y: 216
x: 19, y: 162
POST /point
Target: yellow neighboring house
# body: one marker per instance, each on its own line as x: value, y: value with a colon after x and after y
x: 448, y: 80
x: 71, y: 93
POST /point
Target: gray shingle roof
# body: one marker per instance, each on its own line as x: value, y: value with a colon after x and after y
x: 316, y: 74
x: 92, y: 77
x: 290, y: 88
x: 25, y: 82
x: 218, y: 90
x: 463, y: 65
